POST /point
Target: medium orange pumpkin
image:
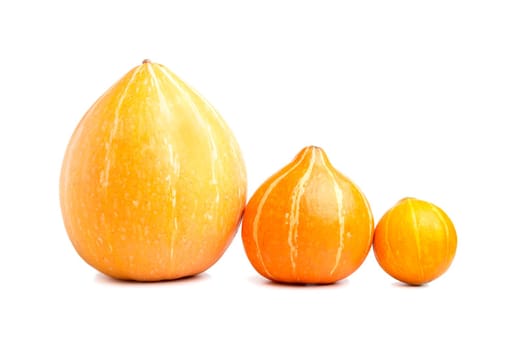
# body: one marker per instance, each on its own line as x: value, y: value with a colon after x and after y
x: 307, y: 223
x: 153, y: 183
x: 415, y: 241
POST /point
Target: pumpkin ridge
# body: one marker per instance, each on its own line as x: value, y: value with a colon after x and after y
x: 113, y: 131
x: 173, y: 160
x: 296, y: 196
x: 438, y: 212
x: 211, y: 142
x: 417, y: 238
x: 259, y: 210
x: 340, y: 215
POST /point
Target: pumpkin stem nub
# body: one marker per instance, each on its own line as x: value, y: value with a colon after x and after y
x: 146, y: 61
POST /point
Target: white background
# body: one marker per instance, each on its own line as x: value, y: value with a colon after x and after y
x: 408, y: 98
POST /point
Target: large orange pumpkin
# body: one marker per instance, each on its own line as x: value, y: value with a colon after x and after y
x: 307, y: 223
x: 153, y: 183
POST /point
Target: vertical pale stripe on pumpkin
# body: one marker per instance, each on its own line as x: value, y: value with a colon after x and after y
x: 205, y: 126
x: 340, y: 215
x: 417, y: 237
x: 258, y: 213
x: 297, y: 195
x: 113, y: 131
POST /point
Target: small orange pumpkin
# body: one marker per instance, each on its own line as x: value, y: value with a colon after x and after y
x: 307, y: 223
x: 153, y: 183
x: 415, y: 241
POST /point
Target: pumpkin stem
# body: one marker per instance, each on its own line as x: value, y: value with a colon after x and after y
x: 146, y: 61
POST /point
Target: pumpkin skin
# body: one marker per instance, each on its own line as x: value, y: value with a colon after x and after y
x: 415, y: 241
x: 308, y: 223
x: 153, y: 183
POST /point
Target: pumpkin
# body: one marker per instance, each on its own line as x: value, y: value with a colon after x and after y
x: 153, y: 183
x: 415, y: 241
x: 308, y: 223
